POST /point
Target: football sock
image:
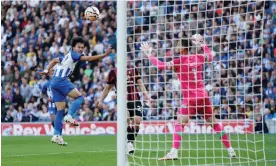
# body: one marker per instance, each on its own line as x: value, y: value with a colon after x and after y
x: 130, y: 134
x: 177, y: 135
x: 137, y: 131
x: 223, y: 136
x: 58, y: 122
x: 75, y: 105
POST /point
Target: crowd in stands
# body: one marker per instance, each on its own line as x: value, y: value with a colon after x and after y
x: 241, y: 79
x: 33, y: 33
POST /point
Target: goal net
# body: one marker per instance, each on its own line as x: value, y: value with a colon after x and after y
x: 233, y: 30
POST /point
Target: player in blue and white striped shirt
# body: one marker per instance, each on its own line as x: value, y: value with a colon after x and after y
x: 46, y: 90
x: 62, y: 87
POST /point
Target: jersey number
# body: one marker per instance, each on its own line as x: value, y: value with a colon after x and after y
x: 139, y: 108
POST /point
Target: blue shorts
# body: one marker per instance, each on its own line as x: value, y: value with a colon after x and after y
x: 52, y: 111
x: 60, y: 88
x: 52, y: 108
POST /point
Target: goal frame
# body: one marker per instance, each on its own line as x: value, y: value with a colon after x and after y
x: 121, y: 82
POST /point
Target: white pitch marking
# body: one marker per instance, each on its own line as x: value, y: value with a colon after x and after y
x: 35, y: 154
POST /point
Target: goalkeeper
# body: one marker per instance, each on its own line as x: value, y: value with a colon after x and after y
x: 195, y: 98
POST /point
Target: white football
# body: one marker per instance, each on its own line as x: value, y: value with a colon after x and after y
x: 92, y: 13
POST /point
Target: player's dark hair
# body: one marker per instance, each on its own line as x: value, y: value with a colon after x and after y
x: 77, y: 40
x: 186, y: 44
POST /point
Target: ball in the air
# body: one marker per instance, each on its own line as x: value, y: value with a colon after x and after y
x: 92, y: 13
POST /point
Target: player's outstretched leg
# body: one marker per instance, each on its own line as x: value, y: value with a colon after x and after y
x: 72, y: 110
x: 134, y: 120
x: 178, y: 130
x: 132, y: 132
x: 131, y: 135
x: 130, y: 138
x: 57, y: 138
x: 223, y: 136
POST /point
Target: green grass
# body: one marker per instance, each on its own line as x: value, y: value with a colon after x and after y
x: 101, y: 151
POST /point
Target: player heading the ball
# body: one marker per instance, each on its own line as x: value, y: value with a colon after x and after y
x: 62, y: 87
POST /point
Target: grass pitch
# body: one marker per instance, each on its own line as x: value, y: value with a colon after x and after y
x: 101, y: 151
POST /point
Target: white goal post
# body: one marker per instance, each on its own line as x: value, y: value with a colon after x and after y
x: 121, y: 82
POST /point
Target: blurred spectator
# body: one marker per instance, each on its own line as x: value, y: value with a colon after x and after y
x: 17, y: 99
x: 25, y: 90
x: 8, y: 96
x: 260, y: 125
x: 96, y: 115
x: 44, y: 115
x: 8, y: 117
x: 19, y: 115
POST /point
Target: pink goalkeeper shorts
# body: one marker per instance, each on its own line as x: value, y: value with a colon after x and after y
x: 200, y: 106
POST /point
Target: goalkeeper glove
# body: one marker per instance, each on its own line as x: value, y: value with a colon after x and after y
x: 146, y: 48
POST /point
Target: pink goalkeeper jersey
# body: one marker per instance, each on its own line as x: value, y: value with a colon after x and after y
x: 189, y: 69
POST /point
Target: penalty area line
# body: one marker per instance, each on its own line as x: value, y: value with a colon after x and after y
x: 42, y: 154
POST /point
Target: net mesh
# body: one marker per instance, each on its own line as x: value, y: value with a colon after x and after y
x: 233, y: 30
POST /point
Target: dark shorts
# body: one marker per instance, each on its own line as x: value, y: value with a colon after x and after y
x: 134, y: 108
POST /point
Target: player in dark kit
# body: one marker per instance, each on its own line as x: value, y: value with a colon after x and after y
x: 134, y: 104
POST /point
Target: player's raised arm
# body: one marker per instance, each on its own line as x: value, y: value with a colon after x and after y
x: 141, y: 85
x: 111, y: 81
x: 143, y: 89
x: 97, y: 57
x: 155, y: 61
x: 105, y: 92
x: 50, y: 66
x: 44, y: 90
x: 207, y: 52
